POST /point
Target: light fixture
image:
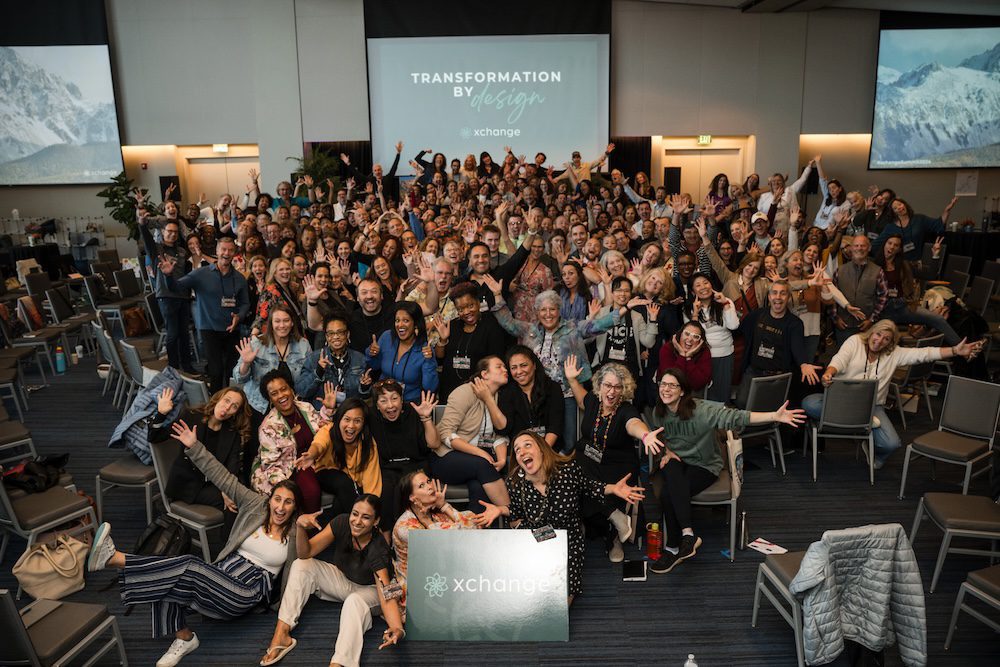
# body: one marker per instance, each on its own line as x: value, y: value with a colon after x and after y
x: 220, y: 148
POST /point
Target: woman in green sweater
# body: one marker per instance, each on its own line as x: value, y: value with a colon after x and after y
x: 692, y: 463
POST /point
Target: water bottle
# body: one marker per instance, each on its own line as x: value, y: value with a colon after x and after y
x: 654, y: 541
x: 60, y: 360
x: 690, y: 661
x: 744, y: 532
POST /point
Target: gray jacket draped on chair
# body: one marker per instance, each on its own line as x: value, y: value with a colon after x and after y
x: 132, y: 432
x: 861, y: 584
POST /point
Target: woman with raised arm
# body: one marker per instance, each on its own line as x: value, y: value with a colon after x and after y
x: 552, y: 490
x: 691, y: 463
x: 611, y: 425
x: 281, y: 347
x: 239, y: 579
x: 279, y: 291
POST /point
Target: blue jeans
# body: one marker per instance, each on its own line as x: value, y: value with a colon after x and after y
x: 886, y: 439
x: 177, y: 316
x: 896, y: 310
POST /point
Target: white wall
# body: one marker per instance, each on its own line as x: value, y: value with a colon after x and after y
x: 277, y: 72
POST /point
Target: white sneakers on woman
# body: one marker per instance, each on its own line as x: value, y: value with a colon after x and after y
x: 178, y: 649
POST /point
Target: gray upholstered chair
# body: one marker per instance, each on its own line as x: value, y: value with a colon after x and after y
x: 847, y: 415
x: 984, y: 585
x: 914, y: 378
x: 774, y: 576
x: 959, y: 515
x: 48, y: 633
x: 200, y: 518
x: 130, y: 473
x: 767, y: 394
x: 965, y: 432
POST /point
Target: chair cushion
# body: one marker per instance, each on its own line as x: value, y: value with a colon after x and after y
x: 3, y: 414
x: 155, y: 364
x: 987, y: 580
x: 828, y: 431
x: 720, y: 490
x: 8, y: 375
x: 63, y: 628
x: 36, y: 509
x: 202, y: 514
x: 65, y: 480
x: 19, y: 353
x: 127, y: 470
x: 785, y: 566
x: 46, y: 335
x: 13, y: 432
x: 457, y: 493
x: 949, y: 445
x: 953, y: 510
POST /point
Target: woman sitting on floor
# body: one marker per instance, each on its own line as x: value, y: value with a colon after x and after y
x: 240, y: 578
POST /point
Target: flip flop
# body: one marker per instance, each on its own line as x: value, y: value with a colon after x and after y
x: 284, y: 650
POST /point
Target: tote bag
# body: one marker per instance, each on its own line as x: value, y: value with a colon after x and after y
x: 52, y: 572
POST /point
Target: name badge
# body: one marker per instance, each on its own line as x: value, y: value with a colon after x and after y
x: 616, y: 354
x: 461, y: 363
x: 543, y: 533
x: 909, y: 247
x: 593, y: 453
x: 392, y: 590
x: 341, y: 397
x: 765, y: 352
x: 228, y: 302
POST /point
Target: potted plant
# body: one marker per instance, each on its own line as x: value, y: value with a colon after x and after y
x: 320, y: 165
x: 120, y: 196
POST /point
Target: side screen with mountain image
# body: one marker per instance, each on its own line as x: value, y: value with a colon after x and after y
x: 937, y: 99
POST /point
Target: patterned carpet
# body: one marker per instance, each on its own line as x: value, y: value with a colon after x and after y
x: 703, y: 607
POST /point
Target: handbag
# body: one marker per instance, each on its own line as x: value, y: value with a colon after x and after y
x: 52, y: 572
x: 135, y: 321
x: 166, y: 536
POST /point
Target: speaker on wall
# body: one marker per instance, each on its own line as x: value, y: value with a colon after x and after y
x: 672, y: 180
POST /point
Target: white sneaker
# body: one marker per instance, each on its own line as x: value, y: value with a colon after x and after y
x: 622, y: 524
x: 178, y: 649
x: 102, y: 550
x: 616, y: 554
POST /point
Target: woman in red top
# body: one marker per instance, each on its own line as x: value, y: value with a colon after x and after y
x: 688, y: 350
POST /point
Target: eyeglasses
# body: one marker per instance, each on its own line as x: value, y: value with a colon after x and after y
x: 336, y: 333
x: 608, y: 385
x: 670, y: 385
x: 692, y: 336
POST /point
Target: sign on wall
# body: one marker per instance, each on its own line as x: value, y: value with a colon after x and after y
x: 489, y: 585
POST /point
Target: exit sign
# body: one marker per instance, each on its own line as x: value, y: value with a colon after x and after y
x: 704, y: 139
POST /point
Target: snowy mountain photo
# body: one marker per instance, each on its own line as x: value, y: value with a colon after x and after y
x: 942, y: 112
x: 57, y: 115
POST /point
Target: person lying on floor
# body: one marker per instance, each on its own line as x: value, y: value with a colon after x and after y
x: 239, y: 579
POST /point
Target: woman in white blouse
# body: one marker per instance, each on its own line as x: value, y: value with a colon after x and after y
x: 717, y: 314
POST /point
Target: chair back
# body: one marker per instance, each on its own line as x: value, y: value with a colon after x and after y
x: 26, y: 266
x: 971, y: 408
x: 105, y: 271
x: 917, y: 372
x: 164, y: 454
x: 114, y: 356
x: 95, y: 291
x: 37, y: 282
x: 849, y: 404
x: 131, y: 360
x: 128, y: 285
x: 957, y: 282
x: 979, y: 295
x: 957, y: 263
x: 17, y: 647
x: 768, y: 393
x: 991, y: 271
x: 30, y: 313
x: 196, y: 391
x: 109, y: 257
x: 439, y: 412
x: 61, y: 307
x: 154, y: 312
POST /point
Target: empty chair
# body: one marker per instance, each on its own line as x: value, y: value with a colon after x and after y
x: 914, y: 378
x: 847, y: 415
x: 984, y: 585
x: 101, y: 301
x: 156, y: 321
x: 56, y: 633
x: 767, y: 394
x: 965, y: 432
x: 979, y: 295
x: 957, y: 263
x: 774, y: 576
x: 130, y: 473
x: 957, y: 281
x: 127, y: 283
x: 39, y: 342
x: 196, y: 391
x: 109, y: 257
x: 201, y: 518
x: 134, y: 366
x: 962, y: 516
x: 36, y: 283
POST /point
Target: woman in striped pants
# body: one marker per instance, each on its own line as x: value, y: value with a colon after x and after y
x: 240, y: 578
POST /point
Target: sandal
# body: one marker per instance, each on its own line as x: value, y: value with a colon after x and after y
x: 282, y: 652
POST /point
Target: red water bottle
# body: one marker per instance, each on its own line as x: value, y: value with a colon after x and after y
x: 654, y: 541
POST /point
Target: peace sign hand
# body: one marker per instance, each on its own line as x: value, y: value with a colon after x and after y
x: 323, y: 361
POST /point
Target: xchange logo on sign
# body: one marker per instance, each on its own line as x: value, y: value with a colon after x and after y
x: 436, y: 585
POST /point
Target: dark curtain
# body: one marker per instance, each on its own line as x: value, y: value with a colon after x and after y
x: 631, y: 155
x: 360, y: 152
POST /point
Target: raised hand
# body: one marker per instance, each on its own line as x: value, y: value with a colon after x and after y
x: 366, y: 377
x: 308, y: 181
x: 165, y: 402
x: 481, y: 389
x: 637, y: 301
x: 184, y: 433
x: 653, y: 310
x: 167, y: 264
x: 610, y: 148
x: 312, y: 290
x: 428, y: 401
x: 247, y: 351
x: 594, y: 307
x: 571, y: 368
x: 329, y: 396
x: 494, y: 285
x: 254, y: 175
x: 324, y: 361
x: 399, y: 146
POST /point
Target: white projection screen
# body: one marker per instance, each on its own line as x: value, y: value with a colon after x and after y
x: 937, y: 97
x: 466, y: 93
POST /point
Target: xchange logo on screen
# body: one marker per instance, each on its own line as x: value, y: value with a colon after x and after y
x: 468, y: 132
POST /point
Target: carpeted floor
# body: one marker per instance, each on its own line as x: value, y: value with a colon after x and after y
x: 703, y: 607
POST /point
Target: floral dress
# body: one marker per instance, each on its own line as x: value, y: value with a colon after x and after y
x: 275, y: 459
x: 529, y: 285
x: 559, y: 508
x: 448, y: 518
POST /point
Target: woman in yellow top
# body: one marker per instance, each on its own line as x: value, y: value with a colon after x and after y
x: 345, y: 457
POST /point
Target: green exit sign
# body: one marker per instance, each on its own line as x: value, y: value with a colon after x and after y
x: 704, y: 139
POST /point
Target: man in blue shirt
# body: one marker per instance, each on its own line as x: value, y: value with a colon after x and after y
x: 222, y: 302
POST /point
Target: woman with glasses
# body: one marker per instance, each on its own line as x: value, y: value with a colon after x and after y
x: 336, y: 363
x: 466, y: 339
x: 692, y: 462
x: 611, y: 425
x: 689, y: 351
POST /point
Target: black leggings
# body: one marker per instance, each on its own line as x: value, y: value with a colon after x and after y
x: 461, y: 468
x: 680, y: 482
x: 340, y: 485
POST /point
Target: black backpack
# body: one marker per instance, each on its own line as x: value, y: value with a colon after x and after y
x: 166, y: 536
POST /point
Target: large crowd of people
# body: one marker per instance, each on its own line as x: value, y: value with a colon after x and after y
x: 531, y: 333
